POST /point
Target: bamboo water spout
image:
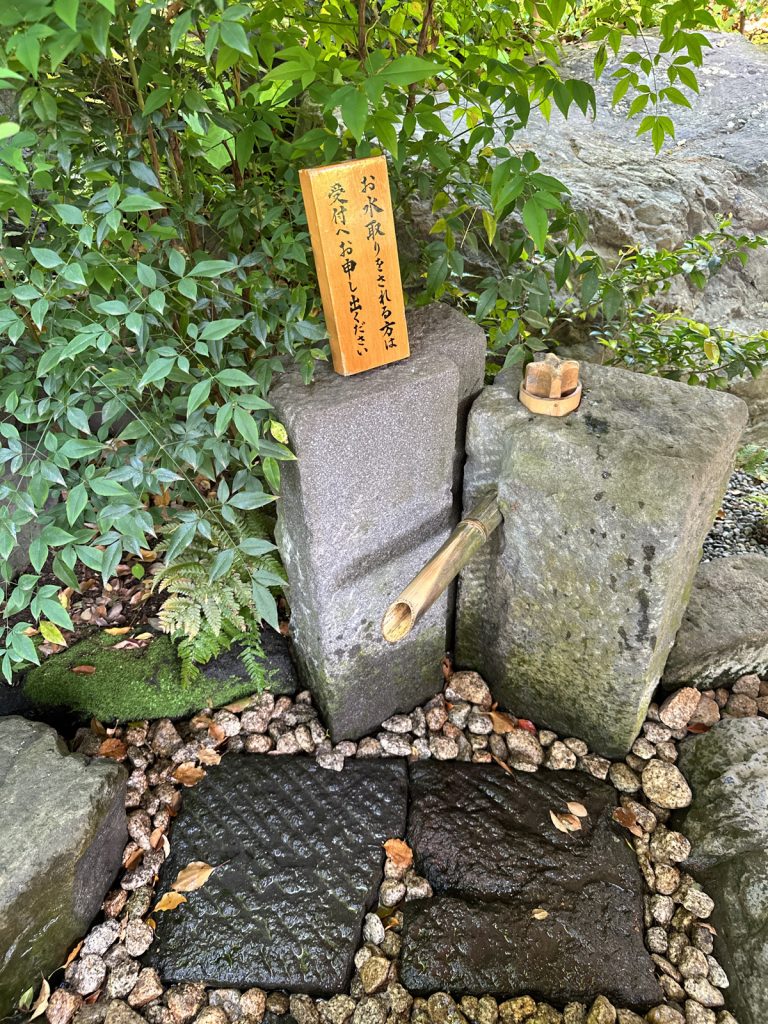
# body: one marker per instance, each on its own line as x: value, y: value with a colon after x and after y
x: 421, y: 593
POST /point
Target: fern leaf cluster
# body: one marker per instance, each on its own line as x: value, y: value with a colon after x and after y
x: 207, y: 609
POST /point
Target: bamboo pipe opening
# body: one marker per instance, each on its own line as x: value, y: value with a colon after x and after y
x: 426, y: 587
x: 398, y: 621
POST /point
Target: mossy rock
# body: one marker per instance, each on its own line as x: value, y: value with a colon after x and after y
x: 128, y: 685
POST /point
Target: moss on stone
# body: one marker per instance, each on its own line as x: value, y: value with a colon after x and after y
x: 127, y: 684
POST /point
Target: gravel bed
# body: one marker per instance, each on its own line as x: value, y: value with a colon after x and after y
x: 743, y: 528
x: 105, y: 980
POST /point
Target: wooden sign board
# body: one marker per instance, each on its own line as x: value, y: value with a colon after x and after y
x: 349, y: 212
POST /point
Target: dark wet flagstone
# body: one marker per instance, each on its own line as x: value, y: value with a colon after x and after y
x: 486, y: 842
x: 298, y: 860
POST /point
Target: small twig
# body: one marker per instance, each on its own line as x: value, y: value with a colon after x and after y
x: 421, y: 48
x: 362, y: 46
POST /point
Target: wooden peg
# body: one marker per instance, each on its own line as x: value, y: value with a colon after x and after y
x: 551, y: 386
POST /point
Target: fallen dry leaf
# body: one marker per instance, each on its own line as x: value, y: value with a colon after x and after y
x: 73, y: 954
x: 84, y: 670
x: 539, y: 913
x: 239, y: 705
x: 114, y: 749
x: 188, y: 774
x: 92, y: 998
x: 502, y: 764
x: 572, y: 823
x: 170, y: 901
x: 216, y: 732
x: 399, y: 852
x: 502, y: 722
x: 698, y: 727
x: 207, y: 755
x: 192, y: 877
x: 628, y: 820
x: 144, y: 636
x: 526, y: 724
x: 133, y: 859
x: 200, y: 722
x: 118, y: 630
x: 447, y: 666
x: 578, y: 809
x: 558, y: 822
x: 156, y: 837
x: 40, y: 1005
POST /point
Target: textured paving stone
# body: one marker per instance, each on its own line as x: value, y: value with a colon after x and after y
x: 298, y: 858
x: 487, y: 844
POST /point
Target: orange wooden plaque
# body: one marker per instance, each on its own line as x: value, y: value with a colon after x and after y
x: 349, y: 212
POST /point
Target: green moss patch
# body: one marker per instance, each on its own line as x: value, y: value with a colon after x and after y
x: 126, y: 685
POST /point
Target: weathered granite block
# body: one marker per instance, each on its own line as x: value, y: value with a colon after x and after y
x: 521, y: 907
x: 367, y: 501
x: 298, y: 861
x: 61, y: 841
x: 724, y: 633
x: 727, y: 824
x: 570, y: 611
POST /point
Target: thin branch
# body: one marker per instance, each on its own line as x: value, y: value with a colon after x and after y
x: 421, y: 48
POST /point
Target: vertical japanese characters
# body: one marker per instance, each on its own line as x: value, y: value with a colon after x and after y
x: 351, y: 224
x: 374, y: 231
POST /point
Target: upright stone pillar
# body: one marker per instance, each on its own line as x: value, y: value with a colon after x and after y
x: 367, y: 501
x: 570, y: 611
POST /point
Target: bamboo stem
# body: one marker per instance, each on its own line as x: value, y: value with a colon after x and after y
x: 424, y: 589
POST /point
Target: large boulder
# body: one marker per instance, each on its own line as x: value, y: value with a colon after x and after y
x: 727, y: 824
x: 570, y: 610
x: 724, y: 633
x: 61, y: 842
x: 715, y: 168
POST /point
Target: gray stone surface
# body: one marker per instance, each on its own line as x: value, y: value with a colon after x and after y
x: 368, y: 500
x: 715, y: 168
x: 570, y: 611
x: 486, y: 842
x: 724, y: 633
x: 298, y: 860
x: 727, y: 824
x: 61, y: 842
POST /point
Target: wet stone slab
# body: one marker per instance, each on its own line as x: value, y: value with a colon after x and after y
x: 487, y: 844
x: 298, y: 860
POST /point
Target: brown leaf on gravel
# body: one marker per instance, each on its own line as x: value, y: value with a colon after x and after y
x: 502, y: 764
x: 698, y: 727
x: 399, y: 852
x: 207, y: 755
x: 578, y: 809
x: 200, y: 722
x: 40, y: 1005
x: 84, y: 670
x: 156, y: 837
x: 188, y: 774
x: 572, y: 823
x: 92, y: 998
x: 502, y: 722
x: 539, y: 914
x: 217, y: 734
x: 97, y: 727
x: 239, y: 705
x: 170, y: 901
x: 114, y: 749
x: 628, y: 820
x: 192, y: 877
x: 526, y: 724
x: 447, y: 666
x: 133, y: 859
x: 73, y: 954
